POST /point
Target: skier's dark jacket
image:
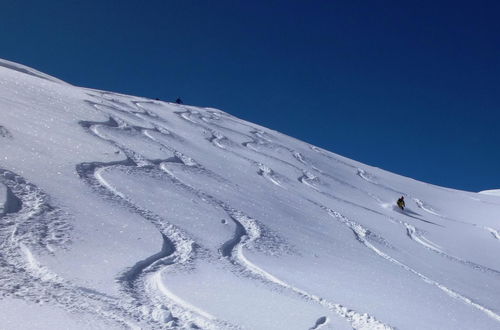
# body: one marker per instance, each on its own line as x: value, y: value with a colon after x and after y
x: 401, y: 202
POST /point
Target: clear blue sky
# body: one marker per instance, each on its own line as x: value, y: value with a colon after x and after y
x: 409, y: 86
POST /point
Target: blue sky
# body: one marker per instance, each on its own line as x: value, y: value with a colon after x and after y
x: 409, y: 86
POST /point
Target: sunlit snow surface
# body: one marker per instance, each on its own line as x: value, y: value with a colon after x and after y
x: 493, y: 192
x: 123, y: 212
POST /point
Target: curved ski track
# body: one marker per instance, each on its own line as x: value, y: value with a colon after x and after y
x: 362, y: 234
x: 150, y: 302
x: 37, y: 225
x: 248, y: 230
x: 139, y: 280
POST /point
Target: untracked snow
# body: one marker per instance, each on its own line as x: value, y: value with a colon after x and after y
x: 125, y: 212
x: 493, y: 192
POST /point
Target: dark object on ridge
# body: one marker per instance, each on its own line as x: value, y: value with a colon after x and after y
x: 178, y: 101
x: 401, y: 203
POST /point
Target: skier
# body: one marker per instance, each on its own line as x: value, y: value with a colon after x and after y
x: 178, y: 101
x: 401, y: 203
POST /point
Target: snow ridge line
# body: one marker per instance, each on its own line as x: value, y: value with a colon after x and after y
x: 181, y: 247
x: 361, y: 235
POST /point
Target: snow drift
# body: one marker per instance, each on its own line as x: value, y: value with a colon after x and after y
x: 125, y: 212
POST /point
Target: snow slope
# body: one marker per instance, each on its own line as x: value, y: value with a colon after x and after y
x: 493, y: 192
x: 124, y: 212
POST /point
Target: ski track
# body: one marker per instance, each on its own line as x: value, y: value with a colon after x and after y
x: 306, y: 177
x: 38, y: 226
x: 247, y: 231
x: 412, y: 232
x: 220, y: 141
x: 140, y: 280
x: 151, y: 302
x: 311, y: 180
x: 362, y: 234
x: 130, y: 276
x: 424, y: 207
x: 495, y: 233
x: 368, y: 178
x: 416, y: 235
x: 269, y: 174
x: 258, y: 138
